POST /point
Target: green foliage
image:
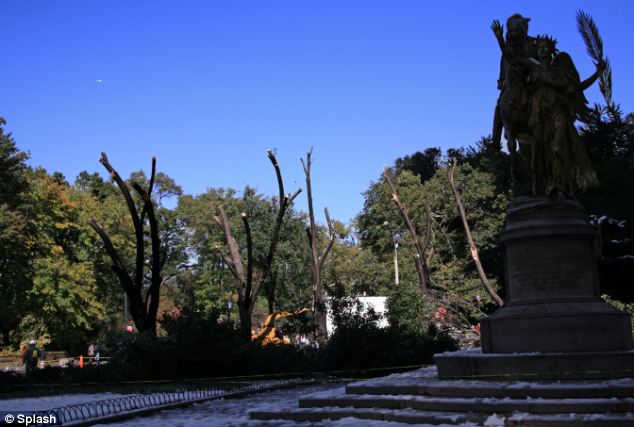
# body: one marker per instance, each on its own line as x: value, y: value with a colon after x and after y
x: 424, y: 165
x: 609, y: 138
x: 485, y: 207
x: 63, y: 293
x: 287, y: 287
x: 351, y: 270
x: 358, y: 342
x: 12, y: 170
x: 17, y: 238
x: 196, y: 346
x: 408, y: 310
x: 453, y: 272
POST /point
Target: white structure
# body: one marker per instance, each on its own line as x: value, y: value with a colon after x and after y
x: 363, y: 304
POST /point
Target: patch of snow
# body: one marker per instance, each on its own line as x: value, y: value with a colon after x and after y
x: 494, y: 421
x: 235, y: 412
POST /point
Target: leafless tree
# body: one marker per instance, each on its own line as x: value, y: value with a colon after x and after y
x: 251, y: 281
x: 318, y: 257
x: 472, y: 246
x: 143, y: 306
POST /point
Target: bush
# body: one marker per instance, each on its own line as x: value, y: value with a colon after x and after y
x: 196, y: 346
x: 359, y: 343
x: 407, y: 310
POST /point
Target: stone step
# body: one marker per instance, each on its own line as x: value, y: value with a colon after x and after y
x: 373, y: 414
x: 480, y: 405
x: 517, y: 390
x: 445, y: 418
x: 420, y: 397
x: 570, y: 420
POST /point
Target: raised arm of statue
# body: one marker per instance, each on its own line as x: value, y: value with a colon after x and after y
x: 593, y: 78
x: 498, y: 31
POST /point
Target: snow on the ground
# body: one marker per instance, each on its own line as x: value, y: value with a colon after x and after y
x: 425, y: 373
x: 51, y: 402
x: 235, y: 412
x: 428, y: 376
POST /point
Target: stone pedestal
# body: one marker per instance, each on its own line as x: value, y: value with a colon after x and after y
x: 552, y: 289
x: 552, y: 292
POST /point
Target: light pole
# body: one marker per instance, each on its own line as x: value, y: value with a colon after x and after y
x: 396, y: 238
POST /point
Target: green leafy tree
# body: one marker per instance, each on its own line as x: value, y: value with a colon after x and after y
x: 609, y: 138
x: 17, y: 237
x: 453, y: 275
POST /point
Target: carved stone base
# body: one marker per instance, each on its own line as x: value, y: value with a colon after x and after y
x: 474, y: 364
x: 557, y: 327
x: 552, y: 289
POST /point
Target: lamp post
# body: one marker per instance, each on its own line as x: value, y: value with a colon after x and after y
x: 396, y: 238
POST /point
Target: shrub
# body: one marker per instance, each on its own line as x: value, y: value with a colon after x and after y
x: 358, y: 342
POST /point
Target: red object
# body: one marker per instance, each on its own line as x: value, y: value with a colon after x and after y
x: 81, y: 361
x: 129, y: 328
x: 440, y: 313
x: 477, y: 328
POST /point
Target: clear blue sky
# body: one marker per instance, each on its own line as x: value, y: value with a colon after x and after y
x: 209, y: 86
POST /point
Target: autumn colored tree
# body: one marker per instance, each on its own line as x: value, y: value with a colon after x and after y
x: 63, y: 296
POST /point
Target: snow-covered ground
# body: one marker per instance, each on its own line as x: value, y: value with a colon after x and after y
x: 235, y: 412
x: 214, y: 413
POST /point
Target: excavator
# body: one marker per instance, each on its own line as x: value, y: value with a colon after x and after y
x: 267, y: 334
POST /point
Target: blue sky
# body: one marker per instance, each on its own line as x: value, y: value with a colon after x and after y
x: 209, y: 86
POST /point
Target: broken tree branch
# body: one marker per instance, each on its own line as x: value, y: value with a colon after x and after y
x: 420, y: 258
x: 472, y: 246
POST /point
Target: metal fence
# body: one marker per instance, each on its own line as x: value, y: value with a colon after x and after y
x: 84, y: 414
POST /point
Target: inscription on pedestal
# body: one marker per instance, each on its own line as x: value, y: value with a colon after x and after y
x: 545, y: 277
x: 547, y: 269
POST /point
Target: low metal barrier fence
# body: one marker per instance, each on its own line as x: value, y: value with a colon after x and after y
x: 142, y: 404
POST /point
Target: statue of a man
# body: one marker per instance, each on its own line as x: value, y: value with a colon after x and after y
x: 516, y: 48
x: 512, y: 107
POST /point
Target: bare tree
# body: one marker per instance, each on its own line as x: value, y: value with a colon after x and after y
x: 143, y: 306
x: 472, y: 246
x: 251, y: 281
x: 318, y: 257
x: 421, y: 258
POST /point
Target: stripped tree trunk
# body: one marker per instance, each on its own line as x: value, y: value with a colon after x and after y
x: 472, y: 246
x: 318, y: 257
x: 251, y: 281
x: 143, y: 308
